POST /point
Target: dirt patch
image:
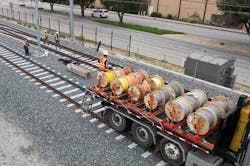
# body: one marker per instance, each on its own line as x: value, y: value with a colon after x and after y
x: 211, y: 42
x: 16, y: 147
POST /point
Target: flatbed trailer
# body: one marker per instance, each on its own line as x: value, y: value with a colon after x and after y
x: 176, y: 143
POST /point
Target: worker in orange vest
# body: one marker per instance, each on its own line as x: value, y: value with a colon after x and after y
x: 26, y: 46
x: 46, y: 37
x: 103, y: 61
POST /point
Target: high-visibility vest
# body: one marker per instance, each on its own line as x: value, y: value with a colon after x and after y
x: 26, y: 43
x: 102, y: 62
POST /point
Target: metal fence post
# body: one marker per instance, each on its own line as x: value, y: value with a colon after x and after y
x: 19, y: 16
x: 59, y: 26
x: 13, y: 14
x: 40, y: 20
x: 95, y: 35
x: 25, y: 16
x: 7, y: 13
x: 32, y: 15
x: 111, y: 40
x: 49, y: 23
x: 82, y: 33
x: 129, y: 45
x: 2, y: 12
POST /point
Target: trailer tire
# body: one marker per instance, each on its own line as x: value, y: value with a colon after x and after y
x: 117, y: 121
x: 172, y: 152
x: 142, y: 135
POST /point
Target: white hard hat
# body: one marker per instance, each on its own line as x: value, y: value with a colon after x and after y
x: 57, y: 32
x: 105, y: 52
x: 45, y: 31
x: 28, y: 39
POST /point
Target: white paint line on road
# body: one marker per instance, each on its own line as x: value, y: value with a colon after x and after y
x: 48, y: 91
x: 119, y: 137
x: 101, y: 125
x: 146, y: 154
x: 22, y: 74
x: 161, y: 163
x: 38, y: 83
x: 93, y: 120
x: 43, y: 87
x: 109, y: 131
x: 133, y: 145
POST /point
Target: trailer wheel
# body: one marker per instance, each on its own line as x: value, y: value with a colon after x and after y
x: 117, y: 121
x: 172, y: 152
x: 142, y: 135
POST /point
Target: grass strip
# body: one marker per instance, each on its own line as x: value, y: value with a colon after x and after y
x: 142, y: 28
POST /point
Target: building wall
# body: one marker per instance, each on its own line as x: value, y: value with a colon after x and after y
x: 188, y: 8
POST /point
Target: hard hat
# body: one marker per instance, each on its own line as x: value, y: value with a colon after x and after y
x: 28, y: 39
x: 45, y: 31
x: 105, y: 52
x: 57, y: 33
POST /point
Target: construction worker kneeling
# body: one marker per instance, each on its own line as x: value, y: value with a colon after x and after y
x: 103, y: 61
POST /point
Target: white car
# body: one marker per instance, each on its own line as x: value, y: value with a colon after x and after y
x: 101, y: 13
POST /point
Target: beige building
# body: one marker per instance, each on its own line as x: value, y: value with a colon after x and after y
x: 187, y: 8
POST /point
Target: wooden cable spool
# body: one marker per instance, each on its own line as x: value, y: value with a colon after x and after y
x: 165, y: 93
x: 105, y: 78
x: 179, y: 108
x: 156, y: 82
x: 137, y: 92
x: 121, y: 85
x: 207, y: 117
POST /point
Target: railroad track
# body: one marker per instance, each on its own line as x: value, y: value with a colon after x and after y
x: 85, y: 60
x: 66, y: 90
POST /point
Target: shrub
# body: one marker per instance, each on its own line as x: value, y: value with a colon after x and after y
x: 155, y: 14
x: 169, y: 16
x: 195, y: 21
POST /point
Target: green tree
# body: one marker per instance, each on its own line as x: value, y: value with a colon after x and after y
x: 239, y: 9
x: 83, y: 4
x: 122, y: 6
x: 52, y: 2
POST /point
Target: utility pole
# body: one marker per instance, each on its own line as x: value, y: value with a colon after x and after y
x: 72, y: 20
x: 39, y: 50
x: 179, y: 11
x: 205, y: 11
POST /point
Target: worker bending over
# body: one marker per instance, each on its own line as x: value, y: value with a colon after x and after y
x: 26, y: 46
x: 103, y: 61
x: 46, y: 38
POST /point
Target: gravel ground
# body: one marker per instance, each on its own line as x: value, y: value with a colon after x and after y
x: 59, y: 135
